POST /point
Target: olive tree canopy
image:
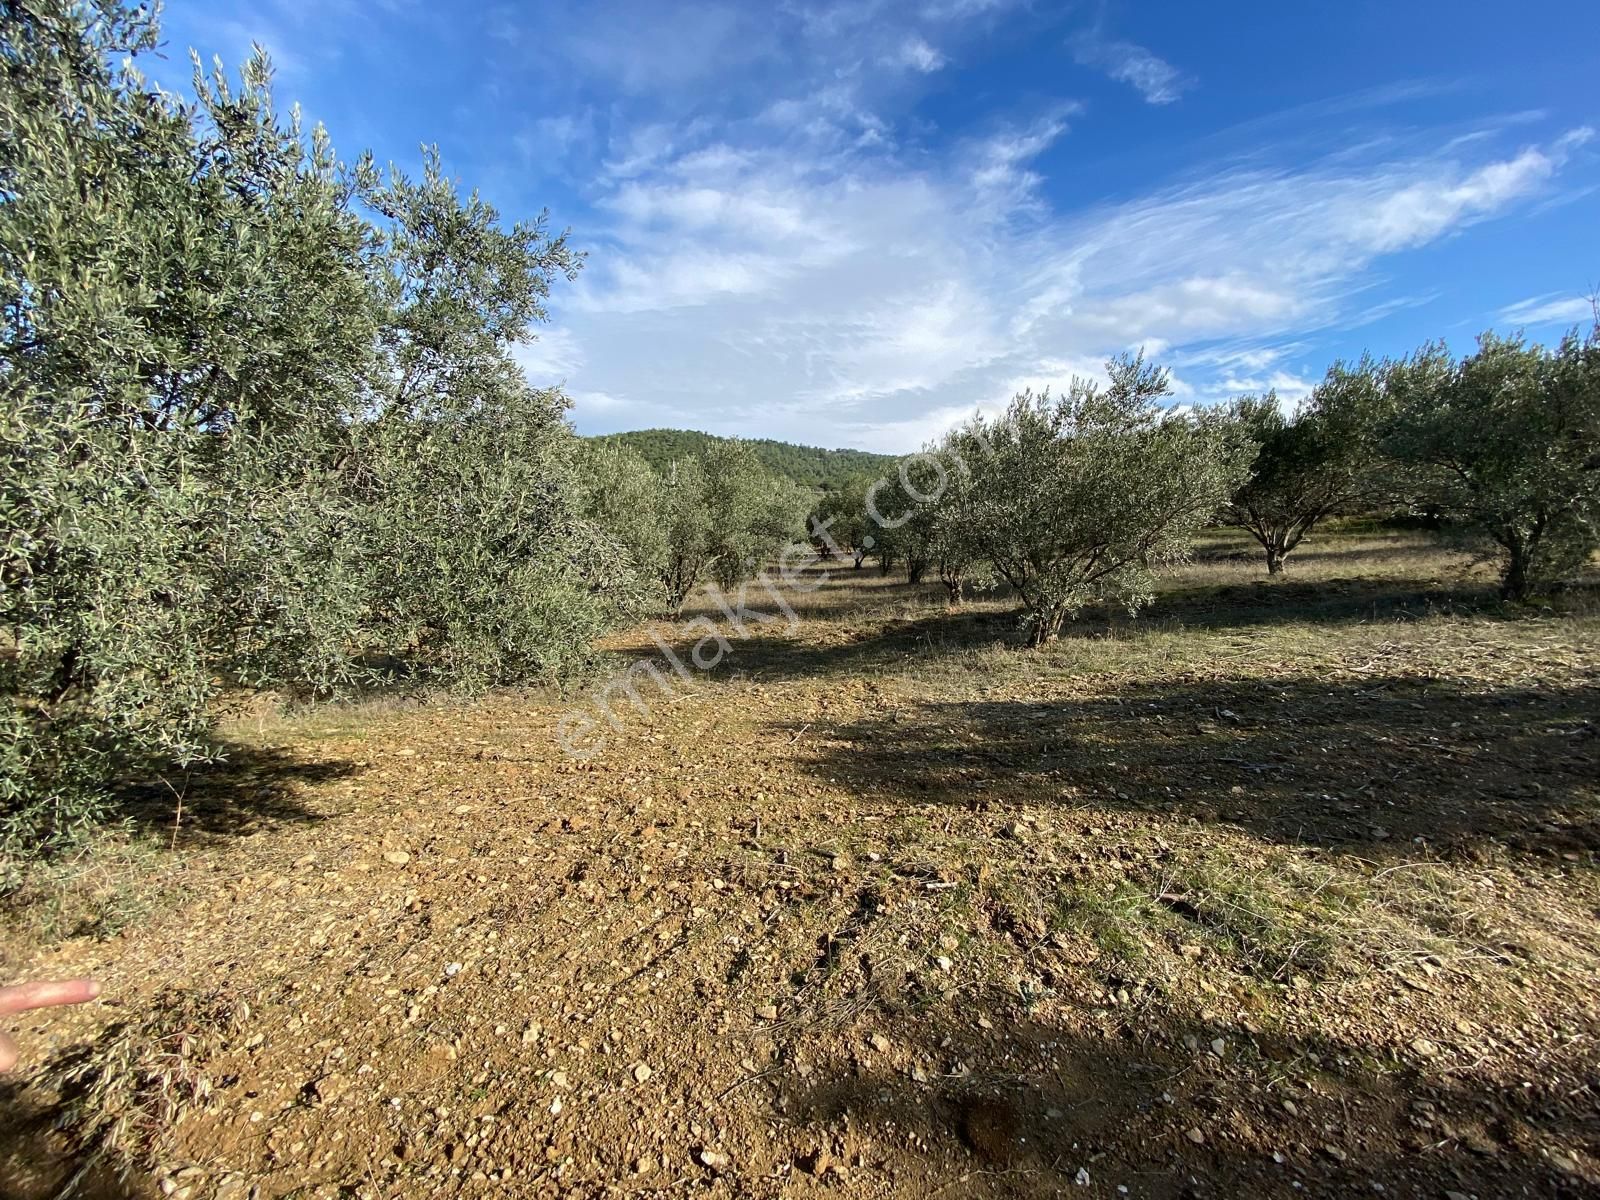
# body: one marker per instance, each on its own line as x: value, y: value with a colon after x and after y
x: 1082, y: 496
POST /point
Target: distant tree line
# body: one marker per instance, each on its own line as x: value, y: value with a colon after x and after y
x: 1080, y: 497
x: 810, y: 466
x: 717, y: 516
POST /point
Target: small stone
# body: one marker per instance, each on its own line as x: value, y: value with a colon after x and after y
x: 716, y: 1160
x: 767, y: 1012
x: 879, y: 1043
x: 398, y: 857
x: 1335, y: 1153
x: 555, y: 1107
x: 530, y: 1035
x: 1190, y: 950
x: 644, y: 1165
x: 641, y: 1072
x: 1425, y: 1048
x: 817, y: 1164
x: 944, y: 963
x: 330, y: 1087
x: 452, y: 970
x: 1219, y: 1046
x: 1289, y: 1107
x: 1195, y: 1136
x: 1082, y: 1177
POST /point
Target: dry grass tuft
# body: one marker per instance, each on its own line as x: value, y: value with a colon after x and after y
x: 124, y: 1095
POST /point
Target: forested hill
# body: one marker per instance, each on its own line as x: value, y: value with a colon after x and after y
x: 809, y: 465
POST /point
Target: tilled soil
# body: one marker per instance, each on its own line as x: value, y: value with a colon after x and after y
x: 1219, y: 922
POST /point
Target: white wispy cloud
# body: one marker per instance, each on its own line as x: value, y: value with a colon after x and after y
x: 1421, y: 212
x: 1554, y: 309
x: 1000, y: 167
x: 917, y: 54
x: 550, y: 358
x: 1157, y: 80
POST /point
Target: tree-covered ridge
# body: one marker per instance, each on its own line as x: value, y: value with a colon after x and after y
x: 811, y: 466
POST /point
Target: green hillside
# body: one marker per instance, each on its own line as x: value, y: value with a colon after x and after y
x: 808, y: 465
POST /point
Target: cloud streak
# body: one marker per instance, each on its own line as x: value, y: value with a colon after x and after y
x: 1157, y: 80
x: 1550, y: 310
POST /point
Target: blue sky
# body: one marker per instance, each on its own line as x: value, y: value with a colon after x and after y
x: 853, y: 224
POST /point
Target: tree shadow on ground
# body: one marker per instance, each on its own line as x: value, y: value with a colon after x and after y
x: 1016, y: 1107
x: 1392, y: 760
x: 36, y: 1164
x: 246, y: 791
x: 1287, y: 601
x: 766, y: 644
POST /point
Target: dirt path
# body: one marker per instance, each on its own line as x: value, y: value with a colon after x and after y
x: 1219, y: 921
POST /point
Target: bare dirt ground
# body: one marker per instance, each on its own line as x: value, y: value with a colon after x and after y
x: 1285, y: 888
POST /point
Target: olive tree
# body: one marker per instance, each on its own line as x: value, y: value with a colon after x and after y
x: 911, y: 511
x: 1319, y: 461
x: 261, y: 424
x: 185, y: 319
x: 686, y: 525
x: 1082, y: 496
x: 1506, y: 439
x: 954, y: 530
x: 752, y: 513
x: 902, y: 525
x: 483, y: 570
x: 842, y: 513
x: 722, y: 515
x: 623, y: 496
